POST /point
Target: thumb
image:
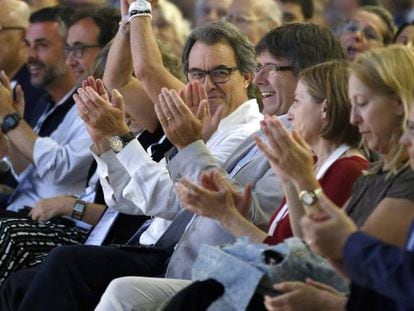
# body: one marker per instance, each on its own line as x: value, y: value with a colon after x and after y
x: 286, y: 287
x: 299, y: 139
x: 117, y: 100
x: 19, y: 95
x: 218, y: 115
x: 202, y: 110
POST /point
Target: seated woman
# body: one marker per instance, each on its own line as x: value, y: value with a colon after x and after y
x: 382, y: 203
x: 320, y: 114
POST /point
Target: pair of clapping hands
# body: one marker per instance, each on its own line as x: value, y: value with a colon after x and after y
x: 184, y: 115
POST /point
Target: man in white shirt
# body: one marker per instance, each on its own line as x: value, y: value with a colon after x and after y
x: 52, y: 158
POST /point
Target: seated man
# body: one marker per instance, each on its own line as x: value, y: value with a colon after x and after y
x: 50, y: 159
x: 74, y: 264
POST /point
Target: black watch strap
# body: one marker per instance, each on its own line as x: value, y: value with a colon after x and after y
x: 10, y: 122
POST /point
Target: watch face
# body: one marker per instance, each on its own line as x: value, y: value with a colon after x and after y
x: 308, y: 198
x: 116, y: 144
x: 141, y: 5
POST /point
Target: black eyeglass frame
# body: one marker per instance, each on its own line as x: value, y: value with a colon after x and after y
x: 78, y: 50
x: 273, y: 67
x: 208, y: 72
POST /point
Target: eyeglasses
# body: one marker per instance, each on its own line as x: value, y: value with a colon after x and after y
x: 368, y: 31
x: 217, y: 75
x: 243, y: 19
x: 268, y: 68
x: 79, y: 49
x: 6, y: 28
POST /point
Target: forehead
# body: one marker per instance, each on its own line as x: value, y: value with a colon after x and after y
x: 84, y: 31
x: 206, y: 56
x: 266, y: 57
x: 216, y: 4
x: 357, y: 87
x: 245, y: 7
x: 44, y: 30
x: 364, y: 18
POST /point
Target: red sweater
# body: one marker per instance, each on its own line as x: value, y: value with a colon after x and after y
x: 337, y: 185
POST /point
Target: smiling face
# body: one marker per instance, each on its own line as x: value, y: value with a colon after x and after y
x: 83, y: 33
x: 306, y: 114
x: 277, y: 87
x: 362, y: 33
x: 377, y: 116
x: 230, y: 94
x: 45, y: 53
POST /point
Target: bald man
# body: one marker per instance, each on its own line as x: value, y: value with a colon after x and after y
x: 254, y: 18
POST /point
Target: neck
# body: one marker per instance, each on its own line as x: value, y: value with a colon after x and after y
x: 60, y: 87
x: 323, y: 149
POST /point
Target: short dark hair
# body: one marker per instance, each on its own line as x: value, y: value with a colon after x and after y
x: 59, y: 14
x: 107, y: 19
x: 214, y: 32
x: 386, y: 18
x: 307, y: 7
x: 329, y: 81
x: 400, y: 30
x: 302, y: 44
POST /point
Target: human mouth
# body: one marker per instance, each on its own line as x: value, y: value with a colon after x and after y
x: 266, y: 94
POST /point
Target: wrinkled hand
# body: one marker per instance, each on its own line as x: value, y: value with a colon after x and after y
x: 214, y: 198
x: 53, y: 207
x: 7, y: 104
x: 298, y: 296
x: 193, y: 94
x: 327, y: 231
x: 104, y: 116
x: 288, y: 154
x: 180, y: 125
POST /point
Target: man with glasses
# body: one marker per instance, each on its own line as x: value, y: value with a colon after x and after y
x: 89, y: 31
x: 254, y: 18
x: 369, y: 27
x: 49, y: 159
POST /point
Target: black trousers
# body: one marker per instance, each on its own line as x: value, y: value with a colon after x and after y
x: 75, y: 277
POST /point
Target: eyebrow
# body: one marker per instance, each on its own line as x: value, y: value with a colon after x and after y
x: 222, y: 66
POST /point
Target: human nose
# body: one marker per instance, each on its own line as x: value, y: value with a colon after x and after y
x: 259, y: 77
x: 355, y: 116
x: 208, y: 82
x: 31, y: 53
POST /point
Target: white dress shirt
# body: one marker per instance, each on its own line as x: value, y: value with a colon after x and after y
x: 135, y: 184
x: 61, y: 164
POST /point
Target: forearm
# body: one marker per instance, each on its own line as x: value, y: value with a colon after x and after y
x: 93, y: 213
x: 23, y: 139
x: 295, y: 206
x: 118, y: 69
x: 147, y: 59
x: 239, y: 226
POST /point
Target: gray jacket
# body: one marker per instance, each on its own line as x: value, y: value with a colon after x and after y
x: 267, y: 195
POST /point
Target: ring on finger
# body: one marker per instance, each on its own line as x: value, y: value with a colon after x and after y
x: 85, y: 112
x: 170, y: 117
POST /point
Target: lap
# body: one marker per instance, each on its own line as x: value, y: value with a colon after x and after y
x: 139, y: 293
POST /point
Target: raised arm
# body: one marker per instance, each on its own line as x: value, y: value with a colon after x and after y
x: 147, y: 59
x: 119, y: 75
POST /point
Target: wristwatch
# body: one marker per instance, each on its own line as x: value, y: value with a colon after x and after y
x: 139, y: 7
x: 79, y: 209
x: 309, y: 197
x: 10, y: 122
x: 119, y: 142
